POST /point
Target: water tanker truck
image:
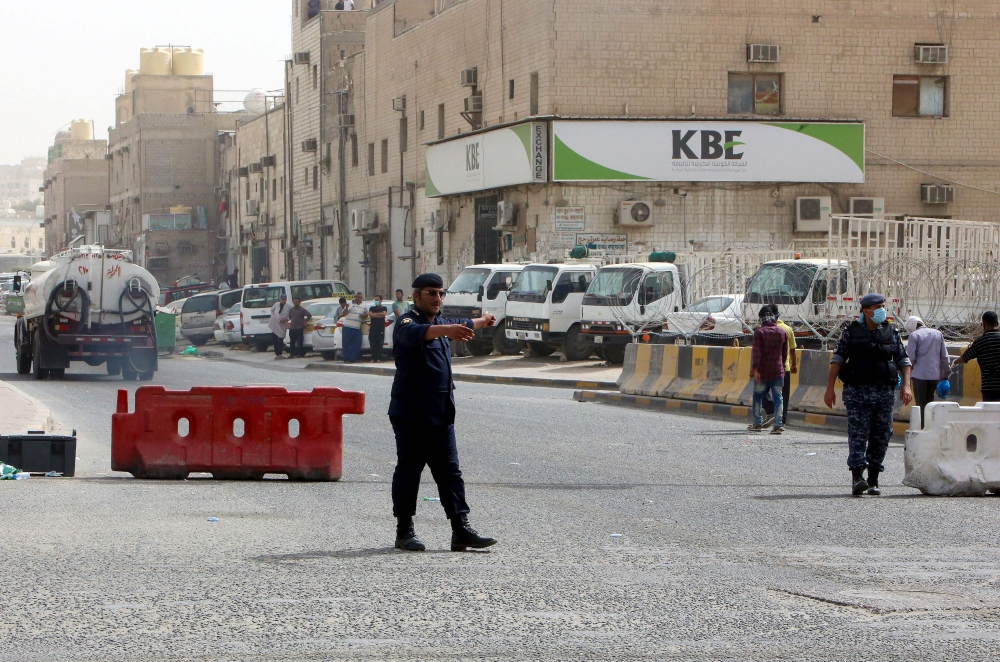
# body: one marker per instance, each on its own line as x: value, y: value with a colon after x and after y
x: 89, y: 304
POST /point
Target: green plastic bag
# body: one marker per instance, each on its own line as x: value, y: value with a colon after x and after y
x: 7, y: 472
x: 190, y: 350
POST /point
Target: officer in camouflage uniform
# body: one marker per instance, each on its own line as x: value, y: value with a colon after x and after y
x: 869, y: 360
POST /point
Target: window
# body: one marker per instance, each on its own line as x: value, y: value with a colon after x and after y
x: 440, y: 121
x: 510, y: 89
x: 307, y: 177
x: 501, y: 282
x: 759, y: 94
x: 533, y: 94
x: 655, y: 287
x: 315, y: 76
x: 385, y: 155
x: 274, y: 189
x: 296, y: 91
x: 709, y: 305
x: 41, y: 242
x: 261, y: 297
x: 402, y: 134
x: 201, y: 304
x: 313, y: 291
x: 315, y: 177
x: 571, y: 282
x: 919, y: 96
x: 354, y: 150
x: 421, y: 124
x: 371, y: 159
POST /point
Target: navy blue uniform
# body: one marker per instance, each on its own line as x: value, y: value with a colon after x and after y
x: 422, y: 413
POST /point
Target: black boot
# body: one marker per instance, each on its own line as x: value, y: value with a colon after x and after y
x: 406, y: 537
x: 860, y: 484
x: 873, y: 482
x: 464, y: 536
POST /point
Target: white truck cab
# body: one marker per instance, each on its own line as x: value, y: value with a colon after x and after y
x: 803, y: 290
x: 543, y: 308
x: 626, y: 299
x: 479, y: 289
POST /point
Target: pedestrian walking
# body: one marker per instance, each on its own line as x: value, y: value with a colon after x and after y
x: 928, y: 361
x: 234, y: 279
x: 986, y: 350
x: 399, y: 306
x: 376, y: 329
x: 354, y: 317
x: 422, y: 413
x: 297, y: 318
x: 767, y: 368
x: 791, y: 367
x: 278, y: 324
x: 870, y: 360
x: 341, y: 310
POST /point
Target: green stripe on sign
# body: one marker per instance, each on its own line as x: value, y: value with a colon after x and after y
x: 848, y: 138
x: 523, y: 131
x: 570, y: 166
x: 429, y: 189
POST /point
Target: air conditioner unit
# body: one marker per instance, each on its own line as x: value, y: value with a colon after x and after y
x: 399, y: 103
x: 868, y: 207
x: 302, y: 57
x: 310, y: 145
x: 253, y: 207
x: 269, y: 161
x: 507, y: 214
x: 346, y: 121
x: 636, y: 213
x: 762, y: 52
x: 813, y: 214
x: 470, y: 77
x: 243, y: 172
x: 930, y: 53
x: 474, y: 104
x: 937, y: 194
x: 354, y: 221
x: 255, y: 167
x: 326, y: 230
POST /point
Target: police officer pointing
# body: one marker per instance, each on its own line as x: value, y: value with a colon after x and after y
x: 869, y: 360
x: 422, y: 413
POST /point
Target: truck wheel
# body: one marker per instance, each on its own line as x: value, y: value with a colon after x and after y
x: 146, y: 376
x: 575, y: 348
x: 36, y: 357
x: 21, y: 351
x: 262, y: 346
x: 114, y: 367
x: 615, y: 354
x: 129, y: 373
x: 503, y: 344
x: 541, y: 349
x: 480, y: 347
x: 328, y: 356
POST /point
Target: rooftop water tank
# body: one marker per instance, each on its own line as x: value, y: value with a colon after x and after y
x: 154, y: 61
x: 129, y: 75
x: 255, y: 102
x: 81, y: 130
x: 189, y: 62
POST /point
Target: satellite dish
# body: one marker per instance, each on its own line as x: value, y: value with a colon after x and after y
x: 255, y: 102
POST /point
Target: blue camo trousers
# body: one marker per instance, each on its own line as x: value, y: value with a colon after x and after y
x: 869, y: 424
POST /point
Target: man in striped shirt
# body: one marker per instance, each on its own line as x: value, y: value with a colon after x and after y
x: 986, y: 350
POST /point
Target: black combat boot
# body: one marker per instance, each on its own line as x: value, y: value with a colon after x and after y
x: 406, y: 536
x: 860, y: 484
x: 464, y: 536
x: 873, y: 482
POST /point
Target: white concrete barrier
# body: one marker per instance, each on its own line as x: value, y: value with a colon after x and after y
x: 957, y: 453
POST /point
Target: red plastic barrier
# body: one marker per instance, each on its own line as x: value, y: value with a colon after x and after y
x: 148, y: 443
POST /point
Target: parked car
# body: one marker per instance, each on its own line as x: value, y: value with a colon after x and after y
x: 228, y: 329
x: 177, y: 292
x: 719, y: 314
x: 319, y: 308
x: 327, y: 335
x: 200, y: 312
x: 259, y: 297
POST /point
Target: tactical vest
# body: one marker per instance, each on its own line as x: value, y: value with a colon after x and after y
x: 870, y: 356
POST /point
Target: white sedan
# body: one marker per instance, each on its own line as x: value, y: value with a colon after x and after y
x: 327, y: 336
x: 720, y: 314
x: 229, y: 328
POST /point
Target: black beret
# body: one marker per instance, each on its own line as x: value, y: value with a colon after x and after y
x: 427, y: 280
x: 872, y: 299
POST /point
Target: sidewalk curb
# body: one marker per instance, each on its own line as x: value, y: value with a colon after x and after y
x: 828, y: 422
x: 464, y: 377
x: 42, y: 419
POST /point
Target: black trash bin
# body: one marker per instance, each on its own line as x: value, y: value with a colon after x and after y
x: 40, y: 453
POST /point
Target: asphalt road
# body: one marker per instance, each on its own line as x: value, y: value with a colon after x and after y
x: 731, y: 546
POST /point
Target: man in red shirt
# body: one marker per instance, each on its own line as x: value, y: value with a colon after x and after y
x: 767, y: 367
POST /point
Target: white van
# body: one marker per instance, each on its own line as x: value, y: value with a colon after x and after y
x: 543, y: 308
x: 483, y: 289
x: 259, y: 297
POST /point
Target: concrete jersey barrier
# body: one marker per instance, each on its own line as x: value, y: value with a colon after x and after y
x: 957, y: 453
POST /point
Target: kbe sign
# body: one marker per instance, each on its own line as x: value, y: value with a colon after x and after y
x: 684, y: 151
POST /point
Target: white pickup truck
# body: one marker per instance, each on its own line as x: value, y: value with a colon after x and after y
x: 543, y: 309
x: 483, y: 288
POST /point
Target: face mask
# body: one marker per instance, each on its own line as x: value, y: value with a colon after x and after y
x: 879, y: 315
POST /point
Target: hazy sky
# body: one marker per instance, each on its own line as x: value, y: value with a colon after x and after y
x: 62, y: 60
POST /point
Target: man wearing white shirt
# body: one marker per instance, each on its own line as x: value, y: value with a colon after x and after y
x: 356, y: 314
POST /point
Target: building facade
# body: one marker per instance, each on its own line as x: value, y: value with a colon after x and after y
x: 76, y: 182
x: 20, y: 183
